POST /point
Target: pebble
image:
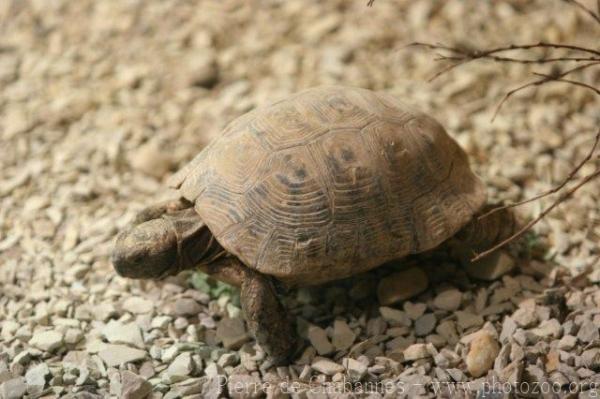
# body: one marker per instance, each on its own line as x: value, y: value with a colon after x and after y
x: 402, y: 285
x: 133, y: 386
x: 116, y: 332
x: 318, y: 339
x: 567, y: 342
x: 482, y: 353
x: 48, y: 341
x: 150, y: 159
x: 448, y: 300
x: 414, y: 310
x: 492, y: 267
x: 232, y: 333
x: 425, y: 324
x: 186, y: 307
x: 394, y: 317
x: 13, y: 389
x: 467, y: 320
x: 180, y: 368
x: 36, y: 376
x: 138, y: 305
x: 416, y: 351
x: 116, y: 355
x: 326, y: 366
x: 343, y: 336
x: 548, y: 329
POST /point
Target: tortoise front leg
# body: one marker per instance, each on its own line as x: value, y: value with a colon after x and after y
x: 157, y: 210
x: 267, y: 318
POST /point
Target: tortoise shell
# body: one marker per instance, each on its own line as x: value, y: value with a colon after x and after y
x: 331, y: 182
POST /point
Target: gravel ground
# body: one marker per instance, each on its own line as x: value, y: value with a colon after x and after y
x: 101, y: 101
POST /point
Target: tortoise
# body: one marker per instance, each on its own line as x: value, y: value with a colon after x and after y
x: 330, y: 182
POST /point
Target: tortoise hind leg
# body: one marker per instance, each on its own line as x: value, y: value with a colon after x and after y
x: 267, y: 318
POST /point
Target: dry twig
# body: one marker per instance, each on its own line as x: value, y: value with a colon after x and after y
x: 583, y: 57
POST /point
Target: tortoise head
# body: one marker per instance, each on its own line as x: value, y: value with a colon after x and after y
x: 146, y: 250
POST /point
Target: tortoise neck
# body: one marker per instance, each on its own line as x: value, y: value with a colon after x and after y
x: 196, y: 244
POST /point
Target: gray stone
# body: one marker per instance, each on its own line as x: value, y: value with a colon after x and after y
x: 467, y: 320
x: 48, y: 341
x: 133, y: 386
x: 402, y: 285
x: 416, y: 351
x: 37, y: 375
x: 232, y: 333
x: 394, y: 317
x: 491, y: 267
x: 138, y: 305
x: 425, y: 324
x: 449, y: 300
x: 13, y: 389
x: 181, y: 368
x: 116, y: 332
x: 343, y: 336
x: 326, y: 366
x: 244, y: 386
x: 318, y: 339
x: 116, y: 355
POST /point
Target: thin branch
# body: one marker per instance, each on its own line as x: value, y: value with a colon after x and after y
x: 573, y: 82
x: 553, y: 190
x: 586, y: 10
x: 538, y: 82
x: 546, y: 211
x: 476, y: 54
x: 370, y: 3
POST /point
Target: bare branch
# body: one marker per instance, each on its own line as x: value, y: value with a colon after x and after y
x: 370, y: 3
x: 538, y: 82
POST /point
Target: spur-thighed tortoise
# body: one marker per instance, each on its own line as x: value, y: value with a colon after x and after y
x: 331, y: 182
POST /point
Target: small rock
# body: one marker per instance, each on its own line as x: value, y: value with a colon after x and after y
x: 394, y: 317
x: 425, y: 324
x: 343, y: 336
x: 134, y: 386
x: 482, y: 353
x: 355, y: 369
x: 36, y: 376
x: 151, y: 159
x: 416, y: 351
x: 180, y: 368
x: 567, y: 343
x: 318, y: 339
x: 326, y: 366
x: 47, y: 341
x: 13, y: 389
x: 467, y: 320
x: 414, y: 310
x: 228, y: 359
x: 402, y: 285
x: 525, y: 317
x: 508, y: 328
x: 491, y: 267
x: 116, y: 332
x: 115, y: 355
x: 548, y: 329
x: 588, y: 332
x: 232, y: 333
x: 202, y: 69
x: 186, y: 307
x: 138, y: 305
x: 448, y: 300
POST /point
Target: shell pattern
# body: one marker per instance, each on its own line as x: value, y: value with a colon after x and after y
x: 331, y: 182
